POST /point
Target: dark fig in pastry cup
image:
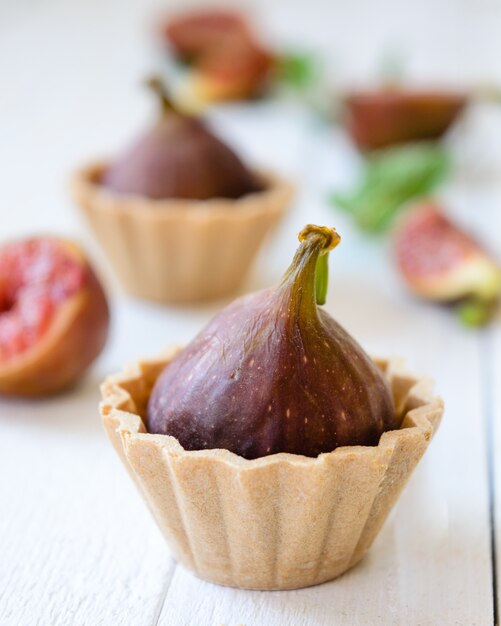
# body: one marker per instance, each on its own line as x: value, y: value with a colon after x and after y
x: 271, y: 449
x: 179, y: 215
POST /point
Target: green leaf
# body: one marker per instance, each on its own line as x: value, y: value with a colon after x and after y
x: 298, y: 70
x: 392, y: 178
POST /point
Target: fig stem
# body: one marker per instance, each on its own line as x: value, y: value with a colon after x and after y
x: 330, y: 235
x: 331, y: 239
x: 322, y: 278
x: 156, y: 84
x: 475, y: 313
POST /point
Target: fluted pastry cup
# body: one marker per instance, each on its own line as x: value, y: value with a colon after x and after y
x: 282, y: 521
x: 179, y: 251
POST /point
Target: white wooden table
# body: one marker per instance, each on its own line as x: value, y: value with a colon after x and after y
x: 77, y: 545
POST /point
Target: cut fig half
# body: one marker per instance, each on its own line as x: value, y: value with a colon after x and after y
x: 443, y: 263
x: 191, y: 34
x: 54, y: 316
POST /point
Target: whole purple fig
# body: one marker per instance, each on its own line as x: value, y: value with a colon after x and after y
x: 179, y: 158
x: 273, y: 372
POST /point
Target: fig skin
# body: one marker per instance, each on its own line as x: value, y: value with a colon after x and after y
x: 193, y: 33
x: 273, y: 373
x: 228, y: 61
x: 381, y: 118
x: 235, y: 70
x: 75, y: 338
x: 179, y: 158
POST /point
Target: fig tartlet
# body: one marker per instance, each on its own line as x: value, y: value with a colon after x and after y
x: 271, y: 449
x: 179, y: 215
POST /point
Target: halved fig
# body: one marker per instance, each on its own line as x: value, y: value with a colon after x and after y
x: 54, y: 316
x: 236, y: 69
x: 193, y: 33
x: 385, y: 117
x: 441, y: 262
x: 228, y: 61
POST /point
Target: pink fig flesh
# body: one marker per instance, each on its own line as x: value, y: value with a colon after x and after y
x: 439, y: 261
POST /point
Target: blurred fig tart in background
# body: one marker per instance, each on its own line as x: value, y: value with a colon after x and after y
x: 271, y: 448
x: 54, y: 316
x: 179, y: 215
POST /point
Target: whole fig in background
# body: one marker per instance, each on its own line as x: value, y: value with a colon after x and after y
x: 273, y: 372
x: 385, y: 117
x: 440, y: 262
x: 179, y: 158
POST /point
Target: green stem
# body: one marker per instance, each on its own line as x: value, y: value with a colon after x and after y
x: 475, y: 313
x: 322, y: 278
x: 307, y: 276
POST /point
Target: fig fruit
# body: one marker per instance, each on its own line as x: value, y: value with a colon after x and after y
x: 228, y: 62
x: 54, y: 316
x: 179, y: 158
x: 385, y: 117
x: 191, y: 34
x: 273, y: 372
x: 440, y: 262
x: 237, y: 69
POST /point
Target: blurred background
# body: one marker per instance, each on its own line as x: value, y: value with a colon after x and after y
x: 71, y: 73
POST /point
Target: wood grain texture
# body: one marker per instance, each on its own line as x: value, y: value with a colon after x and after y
x: 76, y: 543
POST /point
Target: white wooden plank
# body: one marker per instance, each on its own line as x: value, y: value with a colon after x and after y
x: 77, y: 546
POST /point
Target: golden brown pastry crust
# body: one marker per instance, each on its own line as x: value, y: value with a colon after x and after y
x: 180, y: 250
x: 279, y: 522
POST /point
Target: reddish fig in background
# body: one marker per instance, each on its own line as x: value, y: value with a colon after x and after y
x: 385, y: 117
x: 441, y: 262
x: 228, y: 62
x: 54, y: 316
x: 191, y: 34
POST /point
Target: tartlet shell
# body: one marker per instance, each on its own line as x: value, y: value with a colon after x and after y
x: 179, y: 250
x: 283, y: 521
